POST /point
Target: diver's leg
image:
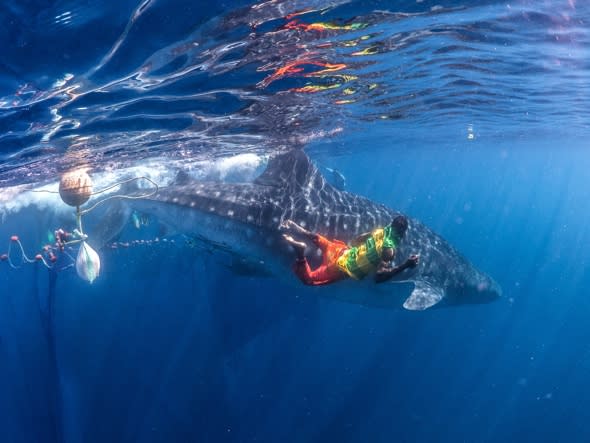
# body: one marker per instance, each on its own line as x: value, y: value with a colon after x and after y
x: 299, y: 246
x: 319, y: 276
x: 303, y: 271
x: 319, y: 240
x: 301, y: 268
x: 331, y: 249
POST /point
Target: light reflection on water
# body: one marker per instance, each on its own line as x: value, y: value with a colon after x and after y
x: 277, y: 74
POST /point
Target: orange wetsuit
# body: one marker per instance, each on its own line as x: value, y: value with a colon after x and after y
x: 328, y: 271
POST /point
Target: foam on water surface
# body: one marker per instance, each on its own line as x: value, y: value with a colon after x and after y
x: 239, y: 168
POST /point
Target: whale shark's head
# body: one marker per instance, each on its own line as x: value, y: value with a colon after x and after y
x: 478, y: 288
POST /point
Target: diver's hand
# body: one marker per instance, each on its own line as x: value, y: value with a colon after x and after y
x: 412, y: 261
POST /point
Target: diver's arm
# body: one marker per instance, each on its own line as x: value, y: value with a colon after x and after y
x: 385, y: 271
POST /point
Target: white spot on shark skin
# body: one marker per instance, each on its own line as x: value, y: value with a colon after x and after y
x: 275, y: 219
x: 482, y: 286
x: 217, y: 194
x: 302, y: 223
x: 175, y: 200
x: 211, y: 208
x: 230, y: 213
x: 249, y: 218
x: 327, y: 223
x: 193, y: 204
x: 345, y: 225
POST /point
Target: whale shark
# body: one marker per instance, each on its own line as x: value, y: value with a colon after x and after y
x: 244, y: 219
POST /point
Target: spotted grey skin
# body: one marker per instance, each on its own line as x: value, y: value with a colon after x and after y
x: 246, y: 218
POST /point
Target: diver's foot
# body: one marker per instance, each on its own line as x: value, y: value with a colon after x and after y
x: 299, y: 246
x: 290, y: 225
x: 287, y: 225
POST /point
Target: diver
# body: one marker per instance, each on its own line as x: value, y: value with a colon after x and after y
x: 370, y: 252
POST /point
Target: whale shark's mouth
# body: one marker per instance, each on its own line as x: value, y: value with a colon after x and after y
x: 486, y: 290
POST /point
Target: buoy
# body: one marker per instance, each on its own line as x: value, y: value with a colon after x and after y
x: 75, y: 187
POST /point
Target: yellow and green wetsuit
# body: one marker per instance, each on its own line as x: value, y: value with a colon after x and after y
x: 361, y: 260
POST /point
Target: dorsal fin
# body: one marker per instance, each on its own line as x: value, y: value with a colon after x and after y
x: 292, y: 169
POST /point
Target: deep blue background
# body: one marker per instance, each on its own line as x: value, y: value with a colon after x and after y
x: 167, y: 346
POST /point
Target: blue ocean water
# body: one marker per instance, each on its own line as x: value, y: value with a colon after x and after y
x: 472, y: 117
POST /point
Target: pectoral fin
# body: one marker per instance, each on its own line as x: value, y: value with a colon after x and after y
x: 423, y: 297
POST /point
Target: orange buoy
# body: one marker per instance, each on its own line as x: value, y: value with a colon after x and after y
x: 75, y: 187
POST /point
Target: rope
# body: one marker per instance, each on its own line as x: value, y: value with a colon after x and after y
x: 112, y: 197
x: 122, y: 197
x: 24, y: 258
x: 48, y: 191
x: 79, y: 236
